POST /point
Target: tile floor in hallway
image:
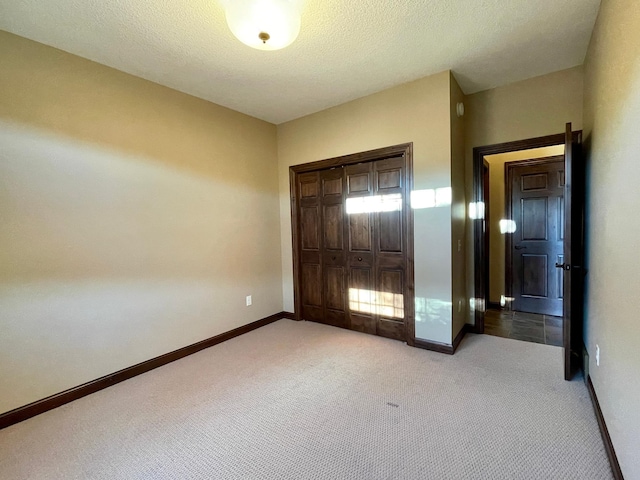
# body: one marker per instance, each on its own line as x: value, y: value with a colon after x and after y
x: 529, y: 327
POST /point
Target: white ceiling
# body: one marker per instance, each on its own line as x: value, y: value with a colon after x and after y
x: 346, y: 49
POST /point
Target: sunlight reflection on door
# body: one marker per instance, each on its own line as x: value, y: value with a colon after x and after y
x: 376, y: 203
x: 385, y: 304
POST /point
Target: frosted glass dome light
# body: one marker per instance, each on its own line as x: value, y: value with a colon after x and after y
x: 264, y: 24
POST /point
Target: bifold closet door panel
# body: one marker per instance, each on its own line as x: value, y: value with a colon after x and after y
x: 353, y: 246
x: 390, y: 246
x: 310, y: 238
x: 360, y: 261
x: 333, y: 247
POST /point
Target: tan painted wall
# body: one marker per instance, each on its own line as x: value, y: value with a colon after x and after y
x: 612, y: 120
x: 135, y: 219
x: 497, y: 211
x: 458, y: 212
x: 532, y: 108
x: 417, y: 112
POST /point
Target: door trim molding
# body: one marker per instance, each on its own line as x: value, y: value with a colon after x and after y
x: 479, y: 233
x: 405, y: 150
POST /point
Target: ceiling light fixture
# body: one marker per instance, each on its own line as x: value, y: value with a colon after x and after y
x: 264, y: 24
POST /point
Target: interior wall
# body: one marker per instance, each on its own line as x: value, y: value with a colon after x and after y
x: 135, y: 219
x: 458, y: 212
x: 417, y: 112
x: 498, y: 210
x: 612, y: 144
x: 531, y: 108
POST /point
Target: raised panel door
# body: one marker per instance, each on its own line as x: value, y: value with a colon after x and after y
x: 310, y: 238
x: 360, y: 261
x: 537, y: 203
x: 390, y: 251
x: 333, y: 255
x: 352, y: 229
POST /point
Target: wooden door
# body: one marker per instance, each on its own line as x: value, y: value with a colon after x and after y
x: 353, y: 246
x: 360, y: 255
x: 536, y: 245
x: 377, y: 257
x: 572, y: 266
x: 334, y: 282
x: 310, y: 246
x: 390, y: 247
x: 322, y: 246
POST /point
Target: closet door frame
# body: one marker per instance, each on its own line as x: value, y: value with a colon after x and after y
x: 406, y: 151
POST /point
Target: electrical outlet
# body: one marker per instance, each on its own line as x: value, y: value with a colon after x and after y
x: 249, y: 301
x: 597, y: 355
x: 459, y: 245
x: 459, y: 306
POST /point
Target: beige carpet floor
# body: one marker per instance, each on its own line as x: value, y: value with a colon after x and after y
x: 307, y: 401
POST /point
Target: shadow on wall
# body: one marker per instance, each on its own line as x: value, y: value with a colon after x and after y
x: 67, y: 95
x: 107, y: 260
x: 73, y: 210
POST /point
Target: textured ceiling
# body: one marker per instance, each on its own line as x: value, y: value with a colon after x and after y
x: 346, y: 49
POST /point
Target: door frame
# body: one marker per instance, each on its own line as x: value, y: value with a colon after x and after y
x: 480, y: 232
x: 406, y: 151
x: 508, y: 189
x: 486, y: 175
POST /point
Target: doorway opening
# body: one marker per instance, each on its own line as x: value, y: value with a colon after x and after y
x: 529, y: 241
x: 524, y: 211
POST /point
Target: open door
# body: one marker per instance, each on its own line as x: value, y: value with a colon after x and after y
x: 573, y: 245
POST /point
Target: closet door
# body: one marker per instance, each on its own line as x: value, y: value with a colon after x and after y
x: 376, y: 257
x: 353, y: 250
x: 360, y: 260
x: 390, y: 246
x: 333, y: 256
x: 310, y: 246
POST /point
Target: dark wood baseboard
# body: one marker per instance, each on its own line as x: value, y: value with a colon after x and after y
x: 40, y: 406
x: 608, y: 446
x: 289, y: 315
x: 434, y: 346
x: 456, y: 341
x: 475, y: 328
x: 447, y: 348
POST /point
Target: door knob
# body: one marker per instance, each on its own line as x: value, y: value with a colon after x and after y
x: 520, y: 247
x: 563, y: 266
x: 359, y: 259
